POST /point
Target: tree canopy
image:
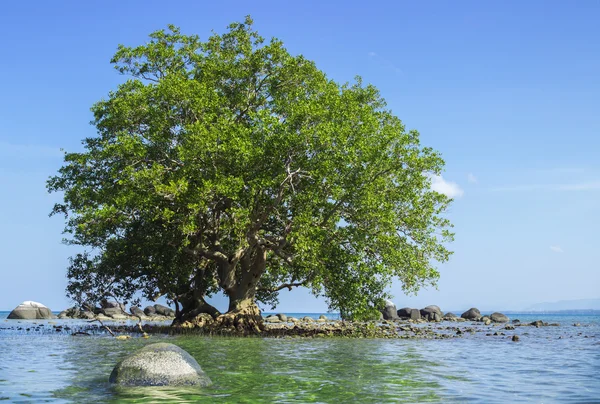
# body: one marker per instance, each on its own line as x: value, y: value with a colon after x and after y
x: 231, y: 166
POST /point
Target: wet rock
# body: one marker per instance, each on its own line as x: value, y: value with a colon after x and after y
x: 516, y: 321
x: 159, y: 364
x: 150, y: 311
x: 30, y: 310
x: 487, y: 321
x: 390, y: 312
x: 515, y: 338
x: 499, y: 318
x: 471, y: 314
x: 537, y: 323
x: 164, y: 310
x: 509, y: 327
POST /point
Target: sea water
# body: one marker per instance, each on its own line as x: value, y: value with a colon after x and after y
x: 548, y: 364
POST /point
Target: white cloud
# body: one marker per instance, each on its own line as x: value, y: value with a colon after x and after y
x: 556, y: 248
x: 450, y: 189
x: 471, y: 178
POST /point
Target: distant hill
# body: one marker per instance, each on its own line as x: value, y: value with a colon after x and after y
x: 582, y: 304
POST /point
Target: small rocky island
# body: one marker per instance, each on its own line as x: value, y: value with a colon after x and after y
x: 429, y: 322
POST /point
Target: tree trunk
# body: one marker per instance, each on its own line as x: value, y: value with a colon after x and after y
x: 243, y: 315
x: 196, y: 312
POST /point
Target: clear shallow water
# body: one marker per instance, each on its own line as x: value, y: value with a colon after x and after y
x: 50, y: 366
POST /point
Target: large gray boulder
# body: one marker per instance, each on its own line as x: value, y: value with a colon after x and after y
x: 113, y: 312
x: 29, y: 310
x: 471, y: 314
x: 499, y: 318
x: 164, y: 310
x: 432, y: 313
x: 450, y: 316
x: 107, y: 304
x: 159, y: 364
x: 136, y: 311
x: 404, y: 312
x: 415, y: 314
x: 389, y: 311
x: 150, y: 311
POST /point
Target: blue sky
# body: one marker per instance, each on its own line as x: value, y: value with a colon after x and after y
x: 509, y: 92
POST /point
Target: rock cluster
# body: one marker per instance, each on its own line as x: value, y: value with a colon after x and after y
x: 113, y: 311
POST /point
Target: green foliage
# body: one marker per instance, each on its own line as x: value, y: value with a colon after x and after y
x: 215, y: 151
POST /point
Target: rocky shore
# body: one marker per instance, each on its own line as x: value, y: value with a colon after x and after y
x: 406, y: 323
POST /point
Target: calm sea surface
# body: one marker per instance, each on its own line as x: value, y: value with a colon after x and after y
x: 549, y: 364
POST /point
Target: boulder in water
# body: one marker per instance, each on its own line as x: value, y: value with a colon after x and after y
x: 389, y: 311
x: 404, y: 312
x: 136, y: 311
x: 431, y: 313
x: 29, y: 310
x: 471, y: 314
x: 159, y: 364
x: 450, y: 316
x: 164, y: 310
x: 499, y: 318
x: 150, y: 311
x: 415, y: 314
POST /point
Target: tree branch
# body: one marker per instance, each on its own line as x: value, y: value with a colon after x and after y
x: 289, y: 286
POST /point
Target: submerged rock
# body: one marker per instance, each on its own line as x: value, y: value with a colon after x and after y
x: 159, y: 364
x: 29, y: 310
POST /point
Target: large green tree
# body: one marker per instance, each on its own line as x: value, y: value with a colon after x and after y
x: 232, y: 166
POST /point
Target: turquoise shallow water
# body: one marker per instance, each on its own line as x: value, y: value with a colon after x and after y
x: 50, y: 366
